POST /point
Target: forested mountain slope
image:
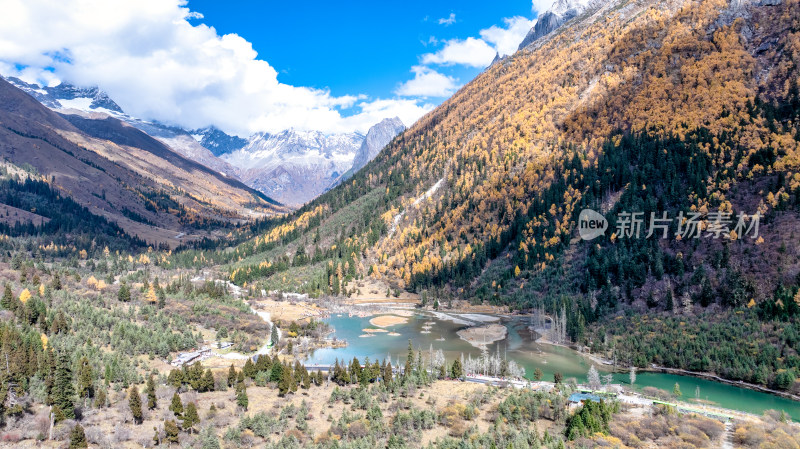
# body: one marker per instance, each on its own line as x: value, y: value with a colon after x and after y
x: 662, y: 70
x: 638, y: 106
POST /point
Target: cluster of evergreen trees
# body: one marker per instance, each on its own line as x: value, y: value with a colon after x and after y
x: 285, y: 376
x: 68, y: 222
x: 591, y: 418
x: 736, y: 345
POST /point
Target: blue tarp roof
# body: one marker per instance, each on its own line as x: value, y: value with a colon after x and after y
x: 580, y: 397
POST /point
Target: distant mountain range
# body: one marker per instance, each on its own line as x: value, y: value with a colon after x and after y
x: 117, y: 171
x: 295, y: 167
x: 292, y: 166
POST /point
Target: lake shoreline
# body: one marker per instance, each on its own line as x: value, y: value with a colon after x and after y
x: 677, y: 371
x: 454, y: 319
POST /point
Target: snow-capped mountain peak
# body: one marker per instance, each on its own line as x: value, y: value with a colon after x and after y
x: 295, y: 166
x: 562, y: 7
x: 67, y: 96
x: 560, y: 12
x: 217, y: 141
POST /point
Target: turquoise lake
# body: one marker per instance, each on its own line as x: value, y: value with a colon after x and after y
x: 519, y: 345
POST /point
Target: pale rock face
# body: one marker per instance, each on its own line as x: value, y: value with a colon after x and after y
x: 560, y: 13
x: 377, y: 138
x: 294, y: 166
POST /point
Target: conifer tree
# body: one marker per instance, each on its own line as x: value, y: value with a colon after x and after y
x: 50, y: 376
x: 293, y: 380
x: 409, y: 368
x: 207, y: 383
x: 190, y: 417
x: 176, y: 406
x: 273, y: 336
x: 162, y: 298
x: 276, y: 372
x: 264, y: 363
x: 56, y: 281
x: 8, y: 297
x: 285, y: 382
x: 85, y: 379
x: 171, y: 431
x: 175, y: 378
x: 100, y: 398
x: 231, y: 375
x: 208, y: 438
x: 387, y: 374
x: 249, y: 369
x: 63, y: 392
x: 457, y: 371
x: 135, y: 404
x: 77, y: 438
x: 151, y: 393
x: 124, y: 294
x: 241, y: 396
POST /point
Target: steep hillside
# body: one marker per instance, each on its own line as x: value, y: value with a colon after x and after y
x: 200, y: 146
x: 666, y: 107
x: 118, y: 172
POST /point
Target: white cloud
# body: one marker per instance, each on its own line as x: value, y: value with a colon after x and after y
x: 408, y: 110
x: 157, y: 65
x: 447, y: 21
x: 479, y: 52
x: 431, y: 41
x: 506, y: 40
x: 541, y: 5
x: 427, y: 83
x: 471, y: 52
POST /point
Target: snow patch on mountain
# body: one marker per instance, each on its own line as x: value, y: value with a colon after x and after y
x: 561, y: 12
x: 294, y: 166
x: 428, y: 193
x: 217, y: 141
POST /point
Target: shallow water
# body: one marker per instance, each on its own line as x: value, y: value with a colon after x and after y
x: 520, y: 347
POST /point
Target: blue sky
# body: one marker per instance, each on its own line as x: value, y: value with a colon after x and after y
x: 355, y: 46
x: 253, y: 66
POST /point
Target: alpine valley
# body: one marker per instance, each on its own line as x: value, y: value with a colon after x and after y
x: 595, y: 242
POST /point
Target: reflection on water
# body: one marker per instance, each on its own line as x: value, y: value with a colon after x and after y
x: 520, y: 346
